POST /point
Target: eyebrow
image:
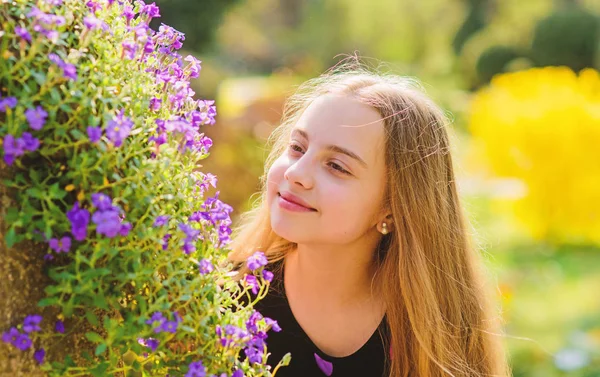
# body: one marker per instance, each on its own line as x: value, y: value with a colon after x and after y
x: 334, y: 148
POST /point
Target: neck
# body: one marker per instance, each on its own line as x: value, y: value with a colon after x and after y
x: 330, y: 276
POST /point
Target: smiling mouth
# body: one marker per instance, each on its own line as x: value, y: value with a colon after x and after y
x: 295, y: 206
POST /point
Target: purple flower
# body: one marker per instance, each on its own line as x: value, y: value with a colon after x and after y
x: 177, y: 317
x: 257, y: 260
x: 156, y: 316
x: 118, y: 129
x: 31, y: 323
x: 273, y: 323
x: 151, y: 10
x: 205, y: 266
x: 148, y: 46
x: 253, y: 354
x: 125, y: 229
x: 39, y: 355
x: 194, y: 66
x: 267, y: 275
x: 196, y: 369
x: 12, y: 148
x: 23, y: 33
x: 155, y: 103
x: 251, y: 322
x: 207, y: 111
x: 7, y: 103
x: 92, y: 22
x: 36, y: 117
x: 60, y: 327
x: 30, y: 143
x: 94, y: 6
x: 11, y: 336
x: 79, y: 219
x: 161, y: 220
x: 205, y: 143
x: 22, y: 342
x: 94, y: 133
x: 69, y: 70
x: 128, y: 13
x: 253, y: 283
x: 107, y: 222
x: 62, y: 245
x: 54, y: 58
x: 237, y: 373
x: 169, y: 37
x: 190, y: 232
x: 150, y: 342
x: 129, y: 49
x: 188, y: 248
x: 165, y: 241
x: 52, y: 35
x: 102, y: 201
x: 169, y: 326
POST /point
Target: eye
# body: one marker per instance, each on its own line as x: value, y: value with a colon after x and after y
x: 338, y: 168
x: 294, y: 147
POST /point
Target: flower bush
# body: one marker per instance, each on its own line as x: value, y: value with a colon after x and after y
x: 101, y: 144
x: 542, y: 126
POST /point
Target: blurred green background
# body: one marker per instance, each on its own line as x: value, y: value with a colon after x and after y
x: 520, y: 80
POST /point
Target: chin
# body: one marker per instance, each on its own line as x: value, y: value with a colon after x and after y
x: 284, y: 229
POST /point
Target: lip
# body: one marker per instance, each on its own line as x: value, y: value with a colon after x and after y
x: 294, y: 203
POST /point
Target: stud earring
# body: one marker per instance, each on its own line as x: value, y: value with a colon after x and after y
x: 384, y: 229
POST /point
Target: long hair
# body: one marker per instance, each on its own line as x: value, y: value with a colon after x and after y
x: 440, y: 317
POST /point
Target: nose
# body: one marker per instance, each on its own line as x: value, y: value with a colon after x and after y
x: 299, y: 173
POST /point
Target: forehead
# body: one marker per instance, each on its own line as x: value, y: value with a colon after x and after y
x: 344, y: 121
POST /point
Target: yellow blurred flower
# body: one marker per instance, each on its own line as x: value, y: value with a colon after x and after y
x: 542, y: 126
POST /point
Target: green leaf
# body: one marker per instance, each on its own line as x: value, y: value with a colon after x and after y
x: 48, y: 301
x: 78, y: 135
x: 86, y: 355
x: 185, y: 298
x: 187, y: 328
x: 100, y: 301
x: 66, y: 108
x: 91, y: 317
x: 94, y: 337
x: 55, y: 94
x: 68, y: 308
x: 39, y: 77
x: 34, y: 175
x: 69, y: 361
x: 35, y: 193
x: 100, y: 370
x: 11, y: 237
x: 285, y: 360
x: 12, y: 214
x: 56, y: 192
x: 142, y: 303
x: 100, y: 349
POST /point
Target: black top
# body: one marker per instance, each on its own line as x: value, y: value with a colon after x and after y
x: 307, y: 359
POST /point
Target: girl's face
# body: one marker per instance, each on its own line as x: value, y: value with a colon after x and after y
x: 335, y: 165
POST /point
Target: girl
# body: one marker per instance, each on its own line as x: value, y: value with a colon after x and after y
x: 362, y: 225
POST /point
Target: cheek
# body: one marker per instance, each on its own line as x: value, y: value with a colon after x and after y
x: 349, y: 207
x: 275, y: 178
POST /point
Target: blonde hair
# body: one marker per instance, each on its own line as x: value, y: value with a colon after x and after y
x: 440, y: 318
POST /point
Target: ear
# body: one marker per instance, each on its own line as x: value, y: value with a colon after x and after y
x: 385, y: 218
